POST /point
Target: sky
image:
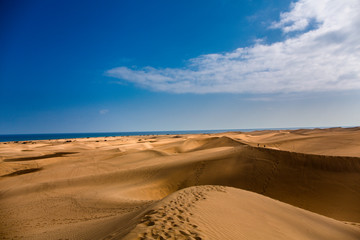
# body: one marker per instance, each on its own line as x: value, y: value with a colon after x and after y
x: 137, y: 65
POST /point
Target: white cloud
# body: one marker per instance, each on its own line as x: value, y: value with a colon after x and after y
x: 103, y: 111
x: 326, y: 58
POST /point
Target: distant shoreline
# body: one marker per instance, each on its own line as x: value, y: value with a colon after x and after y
x: 53, y: 136
x: 305, y: 184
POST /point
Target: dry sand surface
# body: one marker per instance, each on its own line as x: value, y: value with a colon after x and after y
x: 288, y: 184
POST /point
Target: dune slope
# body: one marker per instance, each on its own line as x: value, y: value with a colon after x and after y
x: 105, y: 187
x: 216, y: 212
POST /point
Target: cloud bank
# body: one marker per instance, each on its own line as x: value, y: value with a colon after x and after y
x: 321, y: 52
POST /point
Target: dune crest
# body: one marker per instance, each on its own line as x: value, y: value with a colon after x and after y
x: 185, y: 187
x: 216, y: 212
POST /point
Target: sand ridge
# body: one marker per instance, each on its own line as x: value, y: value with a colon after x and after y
x: 174, y: 186
x: 217, y: 212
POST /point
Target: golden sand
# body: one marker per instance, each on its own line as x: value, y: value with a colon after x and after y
x: 293, y: 184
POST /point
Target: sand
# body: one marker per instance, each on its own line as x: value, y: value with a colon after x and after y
x: 304, y: 184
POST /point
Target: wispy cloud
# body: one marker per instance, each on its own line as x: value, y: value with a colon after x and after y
x: 103, y: 111
x: 321, y: 58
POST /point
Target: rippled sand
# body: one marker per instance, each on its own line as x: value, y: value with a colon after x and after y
x: 295, y: 184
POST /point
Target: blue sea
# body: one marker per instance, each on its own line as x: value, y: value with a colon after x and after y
x: 45, y: 136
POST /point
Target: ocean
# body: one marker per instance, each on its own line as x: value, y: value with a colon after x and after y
x: 45, y: 136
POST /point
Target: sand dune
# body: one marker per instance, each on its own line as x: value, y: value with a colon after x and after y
x: 305, y: 184
x: 216, y: 212
x: 331, y: 141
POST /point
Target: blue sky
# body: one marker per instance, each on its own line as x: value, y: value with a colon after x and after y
x: 100, y: 66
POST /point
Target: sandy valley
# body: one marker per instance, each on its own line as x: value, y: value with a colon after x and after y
x: 284, y: 184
